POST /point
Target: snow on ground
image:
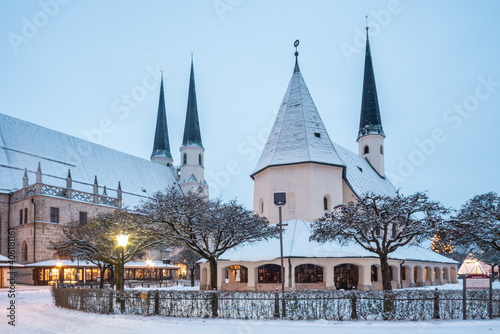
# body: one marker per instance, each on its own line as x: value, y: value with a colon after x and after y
x: 36, y: 313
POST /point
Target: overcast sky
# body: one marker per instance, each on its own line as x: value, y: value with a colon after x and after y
x: 91, y: 69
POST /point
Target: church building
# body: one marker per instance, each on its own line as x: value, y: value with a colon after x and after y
x: 48, y: 179
x: 316, y: 174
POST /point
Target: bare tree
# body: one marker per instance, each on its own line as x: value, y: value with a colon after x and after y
x: 477, y: 223
x: 381, y: 224
x: 190, y: 259
x: 208, y: 227
x: 96, y: 241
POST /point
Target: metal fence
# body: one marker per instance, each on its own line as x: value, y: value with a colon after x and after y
x: 307, y: 305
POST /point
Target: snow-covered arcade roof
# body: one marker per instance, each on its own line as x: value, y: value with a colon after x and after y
x: 24, y: 145
x: 296, y: 244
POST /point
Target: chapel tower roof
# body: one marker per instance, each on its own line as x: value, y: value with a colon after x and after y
x: 161, y: 145
x: 192, y: 134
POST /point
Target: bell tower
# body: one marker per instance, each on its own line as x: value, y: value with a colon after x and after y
x: 371, y: 134
x: 192, y: 164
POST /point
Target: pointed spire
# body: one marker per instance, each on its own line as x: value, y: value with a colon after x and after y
x: 296, y: 69
x: 25, y: 178
x: 69, y: 181
x: 39, y: 173
x: 161, y: 145
x: 298, y: 134
x: 119, y: 191
x: 370, y: 121
x: 104, y: 192
x: 96, y: 186
x: 192, y: 134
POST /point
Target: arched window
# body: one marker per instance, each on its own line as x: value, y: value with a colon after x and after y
x: 374, y: 272
x: 24, y: 252
x: 261, y: 206
x: 326, y: 202
x: 381, y: 149
x: 308, y: 273
x: 367, y: 149
x: 269, y: 273
x: 199, y: 160
x: 184, y: 159
x: 391, y: 273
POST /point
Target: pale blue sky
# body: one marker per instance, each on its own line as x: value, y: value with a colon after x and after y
x: 75, y: 65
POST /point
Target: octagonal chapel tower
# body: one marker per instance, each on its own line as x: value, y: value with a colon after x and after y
x: 299, y: 159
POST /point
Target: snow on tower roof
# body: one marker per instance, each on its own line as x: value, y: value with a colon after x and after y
x: 24, y: 145
x: 298, y: 134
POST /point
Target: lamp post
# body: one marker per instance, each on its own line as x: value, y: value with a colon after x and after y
x: 280, y: 200
x: 122, y: 240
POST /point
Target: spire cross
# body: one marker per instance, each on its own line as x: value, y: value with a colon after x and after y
x: 296, y: 44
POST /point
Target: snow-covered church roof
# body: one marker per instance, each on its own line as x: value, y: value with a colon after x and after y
x: 298, y: 134
x: 24, y: 145
x: 296, y: 244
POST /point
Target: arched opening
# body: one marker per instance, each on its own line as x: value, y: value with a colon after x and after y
x: 24, y: 251
x: 261, y: 206
x: 200, y: 162
x: 203, y: 280
x: 391, y: 273
x: 236, y: 274
x: 366, y: 150
x: 346, y: 276
x: 326, y: 202
x: 269, y: 273
x: 446, y: 274
x: 184, y: 159
x: 437, y: 273
x: 418, y: 276
x: 381, y: 149
x: 374, y: 273
x: 308, y: 273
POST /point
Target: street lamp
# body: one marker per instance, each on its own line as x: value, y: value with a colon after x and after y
x: 122, y: 240
x: 280, y: 200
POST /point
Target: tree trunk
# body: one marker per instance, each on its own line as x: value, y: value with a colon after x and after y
x: 118, y: 272
x: 213, y: 273
x: 386, y: 274
x: 192, y: 276
x: 102, y: 270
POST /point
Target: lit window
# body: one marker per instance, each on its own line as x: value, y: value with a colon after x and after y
x: 374, y: 273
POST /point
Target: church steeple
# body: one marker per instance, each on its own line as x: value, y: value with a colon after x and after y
x: 192, y: 170
x: 371, y: 134
x: 161, y: 146
x: 192, y: 134
x: 370, y: 121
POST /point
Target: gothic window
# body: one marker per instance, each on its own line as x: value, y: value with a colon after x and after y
x: 26, y: 215
x: 374, y: 272
x: 199, y: 160
x: 308, y: 273
x: 54, y: 215
x: 184, y: 159
x: 24, y: 252
x: 269, y: 273
x: 381, y: 149
x: 367, y: 150
x: 21, y: 217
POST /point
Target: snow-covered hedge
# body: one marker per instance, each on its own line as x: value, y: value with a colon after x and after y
x: 310, y: 305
